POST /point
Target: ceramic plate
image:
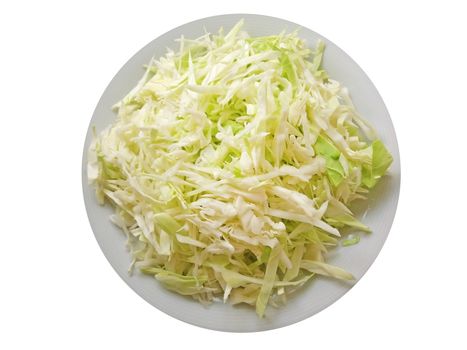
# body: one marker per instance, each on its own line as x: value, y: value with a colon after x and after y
x: 378, y: 212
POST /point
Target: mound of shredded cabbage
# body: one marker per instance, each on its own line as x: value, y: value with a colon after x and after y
x: 231, y: 167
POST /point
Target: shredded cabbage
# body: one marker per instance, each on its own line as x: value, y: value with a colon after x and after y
x: 232, y: 164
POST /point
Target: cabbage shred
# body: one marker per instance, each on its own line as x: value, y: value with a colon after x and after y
x: 232, y: 164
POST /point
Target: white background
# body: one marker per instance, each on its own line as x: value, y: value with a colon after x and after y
x: 57, y: 289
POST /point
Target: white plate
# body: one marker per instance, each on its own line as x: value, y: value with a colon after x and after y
x: 314, y: 296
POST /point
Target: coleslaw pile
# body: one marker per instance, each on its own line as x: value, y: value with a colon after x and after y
x: 231, y: 167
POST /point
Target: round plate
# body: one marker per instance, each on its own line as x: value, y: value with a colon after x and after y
x: 314, y: 296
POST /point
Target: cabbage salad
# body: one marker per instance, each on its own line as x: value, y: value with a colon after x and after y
x: 231, y: 167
